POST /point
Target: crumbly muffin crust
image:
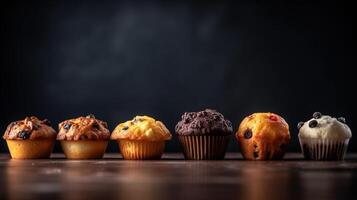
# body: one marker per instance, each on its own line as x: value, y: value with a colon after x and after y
x: 30, y: 128
x: 83, y: 128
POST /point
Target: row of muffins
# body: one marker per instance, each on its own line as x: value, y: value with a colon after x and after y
x: 203, y: 135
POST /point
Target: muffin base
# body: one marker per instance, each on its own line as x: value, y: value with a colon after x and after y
x: 141, y: 150
x: 323, y: 149
x: 205, y: 147
x: 30, y: 149
x: 84, y: 149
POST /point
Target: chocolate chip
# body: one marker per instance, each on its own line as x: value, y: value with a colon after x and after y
x: 47, y: 122
x: 125, y: 128
x: 216, y: 118
x: 342, y: 119
x: 96, y: 126
x: 67, y: 126
x: 256, y: 154
x: 229, y: 123
x: 317, y: 115
x: 313, y: 123
x: 90, y: 116
x: 300, y: 124
x: 24, y: 135
x: 200, y: 114
x: 248, y: 134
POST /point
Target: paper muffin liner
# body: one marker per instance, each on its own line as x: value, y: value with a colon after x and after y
x: 323, y: 149
x: 141, y: 150
x: 206, y: 147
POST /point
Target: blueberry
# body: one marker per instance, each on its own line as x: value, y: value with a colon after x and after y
x: 67, y: 126
x: 96, y: 126
x: 248, y: 134
x: 313, y: 123
x: 24, y: 135
x: 317, y: 115
x: 300, y: 124
x: 342, y: 119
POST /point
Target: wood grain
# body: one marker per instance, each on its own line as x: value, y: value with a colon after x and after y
x: 175, y: 178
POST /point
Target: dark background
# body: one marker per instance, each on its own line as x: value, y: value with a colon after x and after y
x: 63, y: 59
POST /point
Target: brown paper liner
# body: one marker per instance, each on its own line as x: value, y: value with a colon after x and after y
x: 84, y: 149
x: 323, y: 149
x: 30, y: 149
x: 207, y: 147
x: 141, y: 150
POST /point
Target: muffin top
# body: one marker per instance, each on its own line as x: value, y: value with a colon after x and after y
x: 141, y: 128
x: 83, y: 128
x: 324, y: 127
x: 30, y: 128
x: 269, y: 126
x: 207, y: 122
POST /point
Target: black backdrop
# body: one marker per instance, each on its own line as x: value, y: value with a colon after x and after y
x: 62, y: 59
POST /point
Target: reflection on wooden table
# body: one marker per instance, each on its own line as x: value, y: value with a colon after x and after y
x: 174, y: 178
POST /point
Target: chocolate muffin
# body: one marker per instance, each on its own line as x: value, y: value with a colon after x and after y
x: 83, y: 137
x: 204, y: 135
x: 30, y: 138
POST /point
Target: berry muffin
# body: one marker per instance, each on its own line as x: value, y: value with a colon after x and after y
x: 324, y: 137
x: 142, y: 138
x: 30, y: 138
x: 204, y: 135
x: 263, y: 136
x: 83, y: 137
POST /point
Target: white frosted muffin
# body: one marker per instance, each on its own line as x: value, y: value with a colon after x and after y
x: 324, y: 137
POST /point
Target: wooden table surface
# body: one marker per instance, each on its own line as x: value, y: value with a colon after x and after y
x: 175, y: 178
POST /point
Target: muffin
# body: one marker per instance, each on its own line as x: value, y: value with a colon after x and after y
x: 83, y: 137
x: 324, y: 137
x: 142, y: 138
x: 263, y: 136
x: 204, y: 135
x: 30, y: 138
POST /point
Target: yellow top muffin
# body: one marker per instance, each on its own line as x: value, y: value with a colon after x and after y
x: 141, y: 128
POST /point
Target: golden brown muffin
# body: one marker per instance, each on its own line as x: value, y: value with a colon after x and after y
x: 141, y: 138
x: 263, y: 136
x: 83, y: 137
x: 30, y: 138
